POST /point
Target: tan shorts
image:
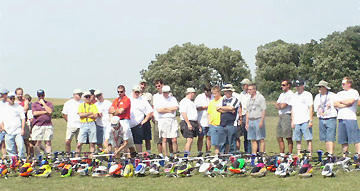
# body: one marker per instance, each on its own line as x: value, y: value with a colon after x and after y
x: 168, y: 128
x: 71, y: 132
x: 42, y: 133
x: 27, y: 132
x: 157, y: 139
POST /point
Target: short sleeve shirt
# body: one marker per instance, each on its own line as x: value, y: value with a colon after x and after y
x: 87, y: 108
x: 214, y: 115
x: 187, y: 106
x: 124, y: 103
x: 163, y: 102
x: 12, y: 116
x: 41, y: 120
x: 348, y: 112
x: 228, y: 118
x: 139, y: 108
x: 70, y: 109
x: 301, y: 104
x: 201, y: 101
x: 285, y: 97
x: 256, y: 106
x: 103, y: 108
x: 324, y: 105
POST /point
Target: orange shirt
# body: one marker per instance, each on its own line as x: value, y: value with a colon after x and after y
x: 123, y: 103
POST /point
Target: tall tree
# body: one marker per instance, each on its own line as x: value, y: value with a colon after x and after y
x: 195, y: 66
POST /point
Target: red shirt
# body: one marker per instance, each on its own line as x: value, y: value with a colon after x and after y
x: 123, y: 103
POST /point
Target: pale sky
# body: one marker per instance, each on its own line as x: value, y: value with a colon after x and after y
x: 63, y: 45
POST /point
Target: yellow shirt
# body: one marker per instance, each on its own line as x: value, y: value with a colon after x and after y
x: 87, y: 108
x: 214, y: 115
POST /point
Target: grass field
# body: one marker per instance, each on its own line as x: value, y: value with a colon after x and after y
x: 343, y: 181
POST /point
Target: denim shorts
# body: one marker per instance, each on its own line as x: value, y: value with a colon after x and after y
x: 87, y: 130
x: 254, y: 132
x: 302, y: 129
x: 327, y: 129
x: 218, y: 135
x: 348, y: 132
x: 2, y: 136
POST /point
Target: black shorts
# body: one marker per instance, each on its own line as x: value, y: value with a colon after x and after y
x: 146, y: 127
x: 137, y: 134
x: 185, y: 130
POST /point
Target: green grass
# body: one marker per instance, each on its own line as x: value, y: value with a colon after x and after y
x: 343, y: 181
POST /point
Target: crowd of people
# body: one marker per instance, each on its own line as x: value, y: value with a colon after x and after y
x: 218, y: 117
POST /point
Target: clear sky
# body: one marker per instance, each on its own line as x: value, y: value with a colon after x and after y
x: 62, y: 45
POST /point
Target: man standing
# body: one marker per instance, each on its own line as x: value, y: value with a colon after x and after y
x: 202, y: 102
x: 88, y: 112
x: 324, y: 107
x: 140, y: 107
x: 346, y: 103
x: 42, y: 125
x: 70, y: 115
x: 121, y: 107
x: 189, y: 125
x: 283, y: 129
x: 25, y: 104
x: 146, y: 127
x: 214, y: 120
x: 244, y: 100
x: 229, y: 111
x: 301, y: 116
x: 255, y: 119
x: 168, y: 127
x: 3, y: 101
x: 13, y: 123
x: 103, y: 121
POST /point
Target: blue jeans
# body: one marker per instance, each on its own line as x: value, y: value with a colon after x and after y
x: 232, y: 135
x: 10, y: 141
x: 247, y: 143
x: 327, y: 129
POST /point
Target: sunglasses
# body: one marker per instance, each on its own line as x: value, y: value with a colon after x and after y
x: 12, y: 98
x: 158, y: 86
x: 120, y: 92
x: 283, y: 84
x: 87, y: 96
x: 343, y: 83
x: 137, y: 92
x: 98, y: 95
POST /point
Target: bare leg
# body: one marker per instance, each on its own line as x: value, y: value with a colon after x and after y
x: 174, y: 144
x: 188, y: 144
x: 200, y: 143
x: 298, y: 147
x: 238, y: 144
x: 164, y: 149
x: 68, y: 146
x: 147, y: 145
x: 208, y: 143
x: 78, y: 149
x: 262, y: 145
x: 309, y: 143
x: 290, y: 144
x: 48, y: 146
x: 27, y: 146
x: 217, y: 150
x: 281, y: 144
x: 330, y: 147
x: 171, y: 150
x: 345, y: 148
x: 159, y: 147
x: 357, y: 147
x: 254, y: 146
x: 3, y: 149
x: 138, y: 148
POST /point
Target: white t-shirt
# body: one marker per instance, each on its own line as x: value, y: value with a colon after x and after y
x: 103, y: 108
x: 156, y: 98
x: 324, y: 105
x: 162, y: 102
x: 348, y: 112
x: 71, y: 108
x: 301, y: 104
x: 244, y: 100
x: 285, y: 97
x: 139, y: 108
x: 11, y: 117
x: 187, y: 106
x: 200, y: 101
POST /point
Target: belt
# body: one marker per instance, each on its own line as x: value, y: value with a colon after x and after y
x: 327, y: 118
x: 253, y: 119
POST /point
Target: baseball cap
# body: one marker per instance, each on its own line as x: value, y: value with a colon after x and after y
x: 40, y: 92
x: 142, y: 81
x: 190, y: 90
x: 166, y: 88
x: 299, y: 83
x: 77, y: 91
x: 92, y: 91
x: 97, y: 92
x: 245, y: 81
x: 4, y: 91
x: 136, y: 88
x: 115, y: 121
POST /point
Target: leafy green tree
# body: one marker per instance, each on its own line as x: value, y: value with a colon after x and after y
x: 195, y: 66
x: 276, y: 61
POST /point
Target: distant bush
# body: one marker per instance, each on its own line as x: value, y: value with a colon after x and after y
x: 57, y: 111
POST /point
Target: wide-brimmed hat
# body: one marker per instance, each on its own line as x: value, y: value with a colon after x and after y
x: 190, y: 90
x: 323, y: 83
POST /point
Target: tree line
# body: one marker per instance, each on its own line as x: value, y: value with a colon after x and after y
x: 330, y: 59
